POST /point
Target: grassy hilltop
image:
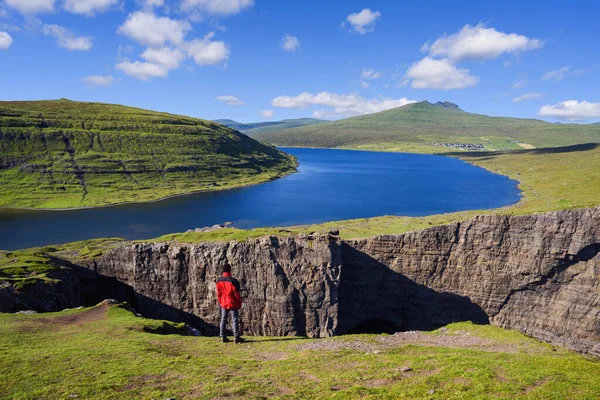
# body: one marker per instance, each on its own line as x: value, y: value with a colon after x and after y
x: 64, y: 154
x: 415, y: 127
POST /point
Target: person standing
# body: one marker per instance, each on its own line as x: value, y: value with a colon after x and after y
x: 230, y: 300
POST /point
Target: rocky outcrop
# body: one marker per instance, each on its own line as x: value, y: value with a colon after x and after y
x: 59, y: 290
x: 538, y: 273
x: 289, y: 284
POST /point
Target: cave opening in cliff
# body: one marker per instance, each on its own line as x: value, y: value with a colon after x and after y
x: 375, y: 326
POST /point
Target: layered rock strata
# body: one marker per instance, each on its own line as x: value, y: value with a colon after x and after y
x: 537, y: 273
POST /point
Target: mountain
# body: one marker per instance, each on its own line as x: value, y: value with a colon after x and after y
x: 255, y: 128
x: 64, y: 154
x: 430, y: 128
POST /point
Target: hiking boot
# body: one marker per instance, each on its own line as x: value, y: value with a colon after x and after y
x: 225, y: 339
x: 238, y: 340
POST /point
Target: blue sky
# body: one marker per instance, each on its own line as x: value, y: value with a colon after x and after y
x: 251, y: 60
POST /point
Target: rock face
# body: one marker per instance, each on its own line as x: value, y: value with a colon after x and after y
x: 60, y: 291
x: 289, y: 285
x: 537, y: 273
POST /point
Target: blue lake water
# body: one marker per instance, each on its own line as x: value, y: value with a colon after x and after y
x: 329, y: 185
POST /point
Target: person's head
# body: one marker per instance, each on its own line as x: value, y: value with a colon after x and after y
x: 227, y: 268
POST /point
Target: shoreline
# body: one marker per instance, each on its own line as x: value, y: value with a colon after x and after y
x: 16, y: 209
x: 448, y: 154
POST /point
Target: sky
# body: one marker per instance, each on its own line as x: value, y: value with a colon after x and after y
x: 255, y: 60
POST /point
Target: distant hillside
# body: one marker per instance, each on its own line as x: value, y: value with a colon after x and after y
x: 433, y: 128
x: 63, y: 154
x: 255, y: 128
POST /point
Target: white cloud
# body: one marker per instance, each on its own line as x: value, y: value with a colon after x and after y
x: 88, y: 7
x: 370, y: 74
x: 528, y: 96
x: 148, y: 4
x: 365, y: 85
x: 143, y: 70
x: 230, y: 100
x: 98, y: 80
x: 3, y: 13
x: 558, y: 74
x: 479, y: 43
x: 506, y: 64
x: 207, y: 52
x: 31, y: 7
x: 363, y: 21
x: 67, y: 39
x: 165, y: 57
x: 5, y: 40
x: 290, y: 43
x: 268, y: 114
x: 217, y: 7
x: 146, y: 28
x: 430, y: 73
x: 571, y: 110
x: 342, y: 104
x: 520, y: 84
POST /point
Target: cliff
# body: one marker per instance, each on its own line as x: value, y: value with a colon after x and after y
x: 539, y: 274
x: 535, y: 273
x: 289, y: 284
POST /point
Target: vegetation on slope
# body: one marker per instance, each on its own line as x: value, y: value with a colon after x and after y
x: 254, y: 128
x: 106, y: 352
x: 65, y: 154
x: 416, y: 127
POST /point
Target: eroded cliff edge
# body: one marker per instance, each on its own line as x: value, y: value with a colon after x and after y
x: 536, y: 273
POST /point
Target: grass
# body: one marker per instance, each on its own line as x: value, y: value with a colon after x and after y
x: 65, y: 154
x: 107, y: 353
x: 28, y: 266
x: 415, y: 127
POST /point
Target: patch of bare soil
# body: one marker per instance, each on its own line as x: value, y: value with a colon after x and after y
x: 158, y: 382
x: 309, y: 376
x: 450, y: 339
x: 536, y: 384
x: 332, y: 344
x: 271, y: 356
x: 93, y: 314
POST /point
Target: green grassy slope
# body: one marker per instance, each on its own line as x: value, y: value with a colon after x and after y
x: 254, y: 128
x: 106, y: 353
x: 63, y: 154
x: 415, y: 127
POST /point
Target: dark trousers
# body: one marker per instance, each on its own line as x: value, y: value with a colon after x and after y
x: 234, y: 319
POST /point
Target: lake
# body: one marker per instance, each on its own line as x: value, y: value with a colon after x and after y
x: 329, y: 185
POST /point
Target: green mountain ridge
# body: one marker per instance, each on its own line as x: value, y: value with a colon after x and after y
x: 426, y: 127
x: 254, y: 128
x: 65, y: 154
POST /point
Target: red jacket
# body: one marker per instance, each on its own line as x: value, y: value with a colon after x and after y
x: 228, y: 291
